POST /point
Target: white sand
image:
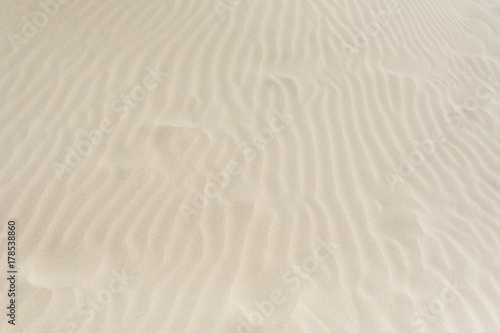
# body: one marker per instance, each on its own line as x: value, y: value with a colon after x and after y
x: 283, y: 166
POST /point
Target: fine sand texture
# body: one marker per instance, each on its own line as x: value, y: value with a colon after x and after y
x: 250, y: 166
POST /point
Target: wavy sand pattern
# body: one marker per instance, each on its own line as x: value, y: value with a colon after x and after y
x: 252, y: 166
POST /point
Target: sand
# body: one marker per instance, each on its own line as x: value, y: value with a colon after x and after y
x: 250, y: 166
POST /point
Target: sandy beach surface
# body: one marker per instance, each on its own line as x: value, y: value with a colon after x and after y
x: 250, y: 166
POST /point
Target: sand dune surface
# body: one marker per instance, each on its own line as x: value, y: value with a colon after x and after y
x: 250, y: 166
